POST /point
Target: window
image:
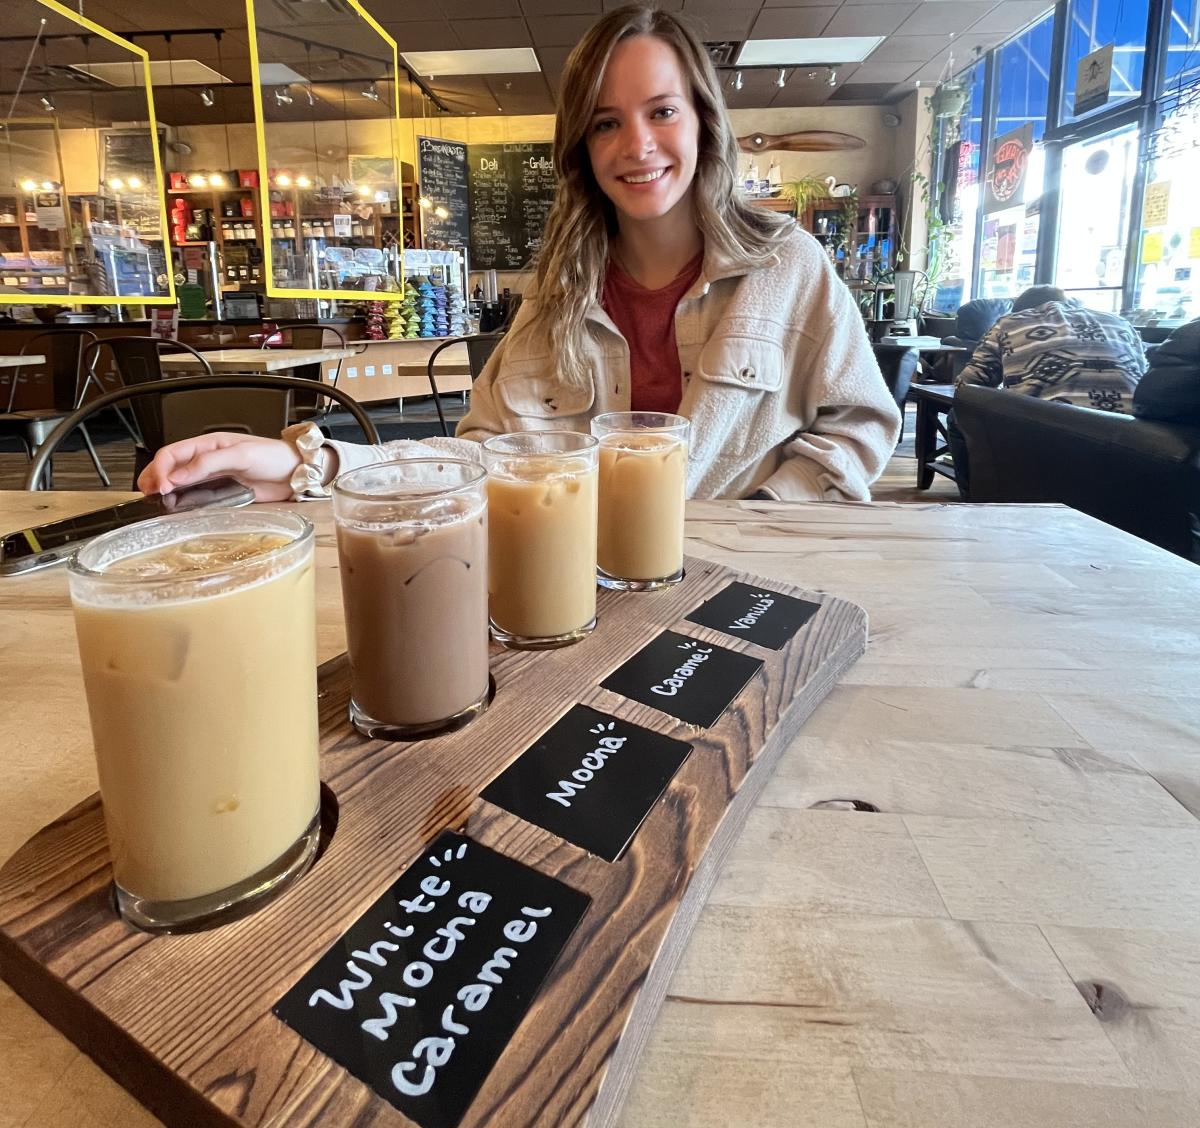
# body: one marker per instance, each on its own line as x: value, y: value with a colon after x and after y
x: 1183, y: 43
x: 1169, y: 250
x: 960, y: 160
x: 1008, y: 253
x: 1093, y: 229
x: 1092, y: 24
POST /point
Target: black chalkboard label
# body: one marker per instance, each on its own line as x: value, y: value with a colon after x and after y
x: 767, y: 618
x: 692, y: 680
x: 419, y: 999
x: 590, y: 778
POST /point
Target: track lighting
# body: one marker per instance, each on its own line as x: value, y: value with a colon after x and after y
x: 832, y: 76
x: 425, y: 202
x: 215, y: 180
x: 303, y: 181
x: 781, y: 81
x: 47, y: 103
x: 283, y: 96
x: 441, y: 212
x: 308, y: 93
x: 134, y: 182
x: 737, y: 81
x: 28, y: 185
x: 283, y: 180
x: 371, y: 93
x: 206, y: 97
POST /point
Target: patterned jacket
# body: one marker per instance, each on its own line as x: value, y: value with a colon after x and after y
x: 1061, y: 351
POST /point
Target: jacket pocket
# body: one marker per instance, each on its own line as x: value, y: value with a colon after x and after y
x: 752, y: 363
x: 540, y: 399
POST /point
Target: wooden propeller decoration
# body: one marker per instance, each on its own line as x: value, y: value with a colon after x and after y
x: 806, y: 141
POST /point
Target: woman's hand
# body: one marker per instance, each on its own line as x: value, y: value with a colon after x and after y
x: 265, y: 465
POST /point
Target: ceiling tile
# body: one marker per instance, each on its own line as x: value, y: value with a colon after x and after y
x: 885, y: 71
x: 791, y: 23
x: 941, y: 18
x: 906, y: 49
x: 426, y: 35
x: 562, y: 8
x: 717, y: 25
x: 694, y: 6
x: 552, y: 58
x: 559, y: 31
x: 869, y: 19
x: 1012, y: 15
x: 465, y: 9
x: 477, y: 34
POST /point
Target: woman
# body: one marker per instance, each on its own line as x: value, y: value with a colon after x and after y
x: 658, y: 287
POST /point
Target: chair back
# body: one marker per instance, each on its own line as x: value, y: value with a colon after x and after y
x: 139, y: 361
x: 248, y: 411
x: 64, y: 352
x: 898, y: 367
x: 480, y: 347
x: 156, y: 390
x: 310, y: 335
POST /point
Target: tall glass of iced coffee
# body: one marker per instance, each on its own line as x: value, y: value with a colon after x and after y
x: 643, y: 482
x: 542, y: 542
x: 412, y: 537
x: 197, y: 635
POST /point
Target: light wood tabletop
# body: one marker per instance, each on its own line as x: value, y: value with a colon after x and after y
x: 254, y: 360
x: 968, y: 897
x: 21, y: 361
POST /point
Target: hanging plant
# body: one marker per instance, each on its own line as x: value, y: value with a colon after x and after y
x: 805, y: 190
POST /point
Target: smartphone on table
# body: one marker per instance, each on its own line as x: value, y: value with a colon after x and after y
x: 43, y: 545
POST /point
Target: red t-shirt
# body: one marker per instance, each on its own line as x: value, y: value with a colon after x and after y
x: 646, y: 319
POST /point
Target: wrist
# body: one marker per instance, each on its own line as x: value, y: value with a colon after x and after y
x: 316, y: 465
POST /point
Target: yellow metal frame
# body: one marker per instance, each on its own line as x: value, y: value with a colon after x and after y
x: 169, y: 298
x: 264, y: 180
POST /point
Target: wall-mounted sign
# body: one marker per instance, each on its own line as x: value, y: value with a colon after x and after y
x: 755, y: 614
x: 442, y: 171
x: 1007, y: 168
x: 590, y: 778
x: 684, y: 677
x: 420, y: 997
x: 1155, y: 204
x: 1093, y: 77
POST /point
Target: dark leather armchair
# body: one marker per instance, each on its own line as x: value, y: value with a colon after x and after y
x: 1139, y: 475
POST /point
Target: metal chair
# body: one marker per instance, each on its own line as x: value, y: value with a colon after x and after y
x: 70, y: 377
x: 188, y: 384
x: 139, y: 361
x: 310, y: 335
x: 480, y: 347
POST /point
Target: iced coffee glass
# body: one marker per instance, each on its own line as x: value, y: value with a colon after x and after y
x: 197, y: 635
x: 412, y: 537
x: 643, y: 481
x: 542, y: 542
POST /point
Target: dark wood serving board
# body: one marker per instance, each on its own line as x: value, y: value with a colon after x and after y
x: 185, y: 1022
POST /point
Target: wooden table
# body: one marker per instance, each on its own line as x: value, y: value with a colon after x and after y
x: 254, y: 360
x: 968, y: 898
x: 933, y: 403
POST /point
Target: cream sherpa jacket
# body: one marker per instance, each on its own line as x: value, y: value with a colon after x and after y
x: 780, y: 383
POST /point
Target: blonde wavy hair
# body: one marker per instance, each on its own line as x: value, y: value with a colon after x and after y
x: 571, y: 265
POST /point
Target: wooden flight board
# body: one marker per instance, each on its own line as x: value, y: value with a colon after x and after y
x: 190, y: 1023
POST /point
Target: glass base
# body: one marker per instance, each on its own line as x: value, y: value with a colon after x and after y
x: 538, y: 642
x: 616, y: 583
x: 383, y: 730
x: 225, y: 905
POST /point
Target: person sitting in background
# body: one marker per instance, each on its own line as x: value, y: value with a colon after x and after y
x: 1051, y: 347
x: 1170, y: 390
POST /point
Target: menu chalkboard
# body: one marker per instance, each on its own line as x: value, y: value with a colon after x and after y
x: 512, y: 189
x: 442, y: 169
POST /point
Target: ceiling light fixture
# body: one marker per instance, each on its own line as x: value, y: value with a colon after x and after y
x: 283, y: 180
x: 303, y: 182
x: 283, y: 96
x: 425, y: 202
x: 781, y: 81
x: 441, y: 212
x: 737, y: 81
x: 506, y: 60
x: 47, y: 103
x: 308, y: 93
x: 806, y: 52
x: 371, y: 93
x: 206, y: 97
x: 134, y: 182
x: 833, y: 76
x: 116, y: 183
x: 215, y: 180
x: 48, y: 185
x: 28, y: 185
